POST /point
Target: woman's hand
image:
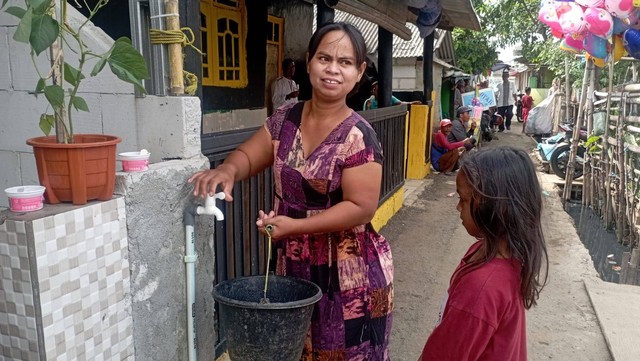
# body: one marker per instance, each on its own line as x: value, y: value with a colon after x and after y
x: 282, y: 226
x: 206, y: 182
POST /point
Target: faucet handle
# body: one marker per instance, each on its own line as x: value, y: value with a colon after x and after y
x: 210, y: 207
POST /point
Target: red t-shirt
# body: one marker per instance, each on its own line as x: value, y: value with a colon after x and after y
x: 527, y: 101
x: 442, y: 141
x: 484, y: 317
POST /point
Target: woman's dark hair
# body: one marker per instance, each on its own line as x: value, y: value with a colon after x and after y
x: 359, y: 47
x: 506, y: 202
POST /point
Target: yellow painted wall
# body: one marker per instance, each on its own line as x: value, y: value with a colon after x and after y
x: 418, y: 131
x: 390, y: 207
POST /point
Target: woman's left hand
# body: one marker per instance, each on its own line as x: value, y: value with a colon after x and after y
x: 282, y: 226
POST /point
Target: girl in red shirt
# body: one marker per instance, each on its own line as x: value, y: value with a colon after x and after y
x: 527, y: 104
x: 499, y: 276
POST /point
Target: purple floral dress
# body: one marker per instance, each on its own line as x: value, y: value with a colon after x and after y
x: 353, y: 268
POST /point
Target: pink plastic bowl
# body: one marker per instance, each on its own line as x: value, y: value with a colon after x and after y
x: 25, y: 198
x: 135, y: 165
x: 134, y: 161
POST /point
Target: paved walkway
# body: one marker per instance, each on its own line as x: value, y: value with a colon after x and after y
x: 618, y: 310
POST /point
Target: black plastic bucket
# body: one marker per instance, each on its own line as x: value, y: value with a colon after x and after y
x: 275, y: 331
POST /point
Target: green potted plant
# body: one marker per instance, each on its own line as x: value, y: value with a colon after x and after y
x: 72, y: 167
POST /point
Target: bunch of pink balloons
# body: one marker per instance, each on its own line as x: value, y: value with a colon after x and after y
x: 593, y: 26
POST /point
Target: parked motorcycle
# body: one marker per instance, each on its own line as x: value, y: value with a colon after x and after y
x: 555, y: 151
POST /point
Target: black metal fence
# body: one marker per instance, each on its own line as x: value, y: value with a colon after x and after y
x: 239, y: 248
x: 390, y: 124
x: 240, y: 251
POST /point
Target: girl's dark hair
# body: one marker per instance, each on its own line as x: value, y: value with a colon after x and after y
x: 351, y: 31
x: 506, y: 202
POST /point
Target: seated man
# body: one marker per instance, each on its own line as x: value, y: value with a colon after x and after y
x: 372, y: 102
x: 445, y: 154
x: 459, y: 130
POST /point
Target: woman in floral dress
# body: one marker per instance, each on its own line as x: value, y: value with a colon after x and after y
x: 327, y: 166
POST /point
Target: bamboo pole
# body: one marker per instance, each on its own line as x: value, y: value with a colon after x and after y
x: 176, y: 66
x: 632, y: 274
x: 622, y: 183
x: 587, y: 187
x: 568, y: 178
x: 56, y: 56
x: 567, y: 88
x: 605, y: 150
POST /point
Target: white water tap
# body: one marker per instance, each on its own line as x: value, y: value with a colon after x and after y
x: 210, y: 206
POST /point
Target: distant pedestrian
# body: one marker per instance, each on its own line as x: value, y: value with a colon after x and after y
x: 505, y: 98
x: 527, y: 104
x: 483, y: 316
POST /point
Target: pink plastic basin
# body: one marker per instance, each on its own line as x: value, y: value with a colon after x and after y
x: 25, y: 198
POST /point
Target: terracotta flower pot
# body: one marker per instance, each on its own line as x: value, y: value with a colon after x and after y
x: 78, y: 172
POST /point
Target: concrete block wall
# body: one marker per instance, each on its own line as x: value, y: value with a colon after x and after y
x: 155, y: 200
x: 404, y: 75
x: 111, y: 102
x: 169, y: 127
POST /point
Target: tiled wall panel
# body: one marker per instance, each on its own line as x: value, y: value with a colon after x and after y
x: 18, y: 335
x: 65, y: 286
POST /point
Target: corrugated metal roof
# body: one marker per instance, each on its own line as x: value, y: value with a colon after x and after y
x: 389, y: 14
x: 413, y: 48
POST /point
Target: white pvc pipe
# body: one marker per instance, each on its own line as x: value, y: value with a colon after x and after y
x: 190, y: 260
x: 190, y: 257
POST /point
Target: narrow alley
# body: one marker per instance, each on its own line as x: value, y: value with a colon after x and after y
x: 428, y: 240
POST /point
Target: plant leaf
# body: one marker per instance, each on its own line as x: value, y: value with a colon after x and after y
x: 47, y: 122
x: 40, y: 86
x: 124, y: 39
x: 592, y: 139
x: 37, y: 3
x: 24, y: 27
x: 40, y: 6
x: 127, y: 63
x: 4, y: 2
x: 71, y: 74
x: 99, y: 66
x: 79, y: 103
x: 55, y: 95
x: 16, y: 11
x: 44, y: 31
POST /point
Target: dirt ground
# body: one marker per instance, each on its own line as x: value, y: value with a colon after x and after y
x: 428, y: 241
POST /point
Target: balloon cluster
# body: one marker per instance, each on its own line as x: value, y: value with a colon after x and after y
x: 593, y: 26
